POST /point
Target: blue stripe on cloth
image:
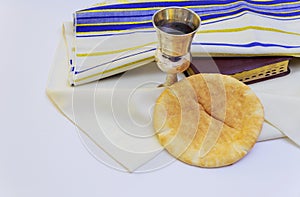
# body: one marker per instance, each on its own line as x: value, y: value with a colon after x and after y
x: 279, y: 14
x: 160, y: 4
x: 113, y: 34
x: 115, y: 60
x: 138, y: 16
x: 114, y: 19
x: 248, y: 45
x: 151, y: 31
x: 205, y: 10
x: 113, y: 27
x: 232, y: 7
x: 98, y: 28
x: 185, y: 3
x: 124, y: 14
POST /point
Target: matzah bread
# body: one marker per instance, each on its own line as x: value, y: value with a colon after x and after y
x: 208, y: 120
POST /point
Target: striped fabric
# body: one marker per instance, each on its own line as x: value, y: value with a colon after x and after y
x: 110, y: 38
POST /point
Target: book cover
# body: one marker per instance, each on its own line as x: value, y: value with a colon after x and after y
x: 246, y: 69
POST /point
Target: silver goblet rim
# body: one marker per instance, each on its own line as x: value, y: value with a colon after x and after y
x: 154, y: 21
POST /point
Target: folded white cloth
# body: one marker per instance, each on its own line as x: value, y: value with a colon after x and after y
x: 111, y: 38
x: 115, y: 113
x: 281, y: 99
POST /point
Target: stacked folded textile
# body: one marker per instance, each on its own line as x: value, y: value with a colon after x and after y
x: 112, y: 38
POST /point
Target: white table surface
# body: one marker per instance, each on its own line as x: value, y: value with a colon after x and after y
x: 41, y: 153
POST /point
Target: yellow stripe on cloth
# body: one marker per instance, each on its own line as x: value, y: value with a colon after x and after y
x: 231, y: 30
x: 114, y: 69
x: 113, y: 52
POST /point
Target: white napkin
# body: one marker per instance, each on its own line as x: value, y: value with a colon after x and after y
x: 281, y: 99
x: 112, y: 38
x: 115, y: 113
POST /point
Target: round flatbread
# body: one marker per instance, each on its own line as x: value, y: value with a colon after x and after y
x: 208, y: 120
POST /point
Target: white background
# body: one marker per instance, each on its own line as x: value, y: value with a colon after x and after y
x: 41, y: 153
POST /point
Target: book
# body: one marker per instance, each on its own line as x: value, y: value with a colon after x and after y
x: 246, y: 69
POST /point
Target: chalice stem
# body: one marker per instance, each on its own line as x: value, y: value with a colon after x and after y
x: 171, y: 79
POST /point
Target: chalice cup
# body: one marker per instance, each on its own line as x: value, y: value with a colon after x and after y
x: 175, y: 28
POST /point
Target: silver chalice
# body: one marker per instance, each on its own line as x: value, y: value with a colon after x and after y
x: 175, y: 28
